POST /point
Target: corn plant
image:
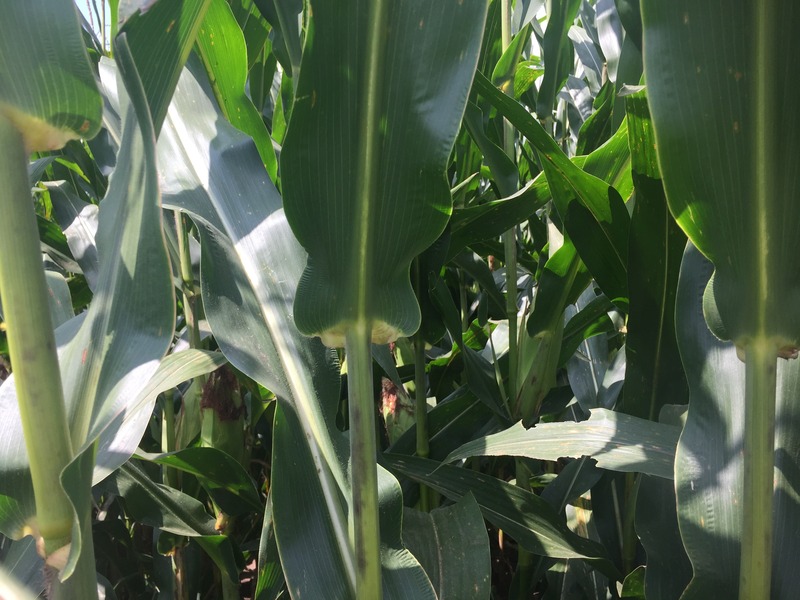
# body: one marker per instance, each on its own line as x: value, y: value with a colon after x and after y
x: 395, y: 300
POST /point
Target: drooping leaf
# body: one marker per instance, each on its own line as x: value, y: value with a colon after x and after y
x: 226, y: 480
x: 523, y: 515
x: 107, y: 352
x: 161, y: 36
x: 728, y: 167
x: 452, y: 545
x: 654, y: 374
x: 250, y: 264
x: 222, y: 47
x: 592, y: 211
x: 557, y: 54
x: 47, y: 88
x: 616, y: 441
x: 363, y: 241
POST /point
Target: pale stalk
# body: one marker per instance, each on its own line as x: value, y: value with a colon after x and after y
x: 31, y: 342
x: 364, y: 472
x: 363, y: 447
x: 32, y: 348
x: 755, y: 571
x: 760, y: 352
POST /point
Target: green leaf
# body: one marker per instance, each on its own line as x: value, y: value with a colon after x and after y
x: 47, y: 88
x: 479, y: 372
x: 592, y: 211
x: 283, y: 16
x: 250, y: 264
x: 171, y: 510
x: 11, y: 588
x: 221, y: 46
x: 617, y: 442
x: 729, y: 167
x: 668, y: 568
x: 540, y: 349
x: 709, y: 461
x: 557, y: 54
x: 270, y: 582
x: 489, y: 220
x: 161, y: 38
x: 452, y: 545
x: 78, y: 221
x: 226, y: 481
x: 106, y: 353
x: 654, y: 374
x: 362, y: 242
x: 523, y: 515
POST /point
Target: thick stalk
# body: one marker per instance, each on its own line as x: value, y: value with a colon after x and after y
x: 363, y: 448
x: 755, y: 571
x: 32, y: 344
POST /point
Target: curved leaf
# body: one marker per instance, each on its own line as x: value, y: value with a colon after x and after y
x: 106, y: 353
x: 523, y: 515
x: 593, y: 212
x: 729, y: 167
x: 361, y: 243
x: 709, y: 461
x: 222, y: 48
x: 47, y: 88
x: 452, y: 545
x: 616, y: 441
x: 250, y: 264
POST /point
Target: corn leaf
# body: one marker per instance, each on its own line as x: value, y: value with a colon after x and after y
x: 365, y: 242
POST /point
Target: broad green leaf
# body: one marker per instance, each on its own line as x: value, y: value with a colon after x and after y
x: 610, y: 35
x: 161, y: 36
x: 668, y: 568
x: 78, y: 221
x: 540, y: 348
x: 523, y: 515
x: 21, y: 562
x: 654, y: 374
x: 250, y: 265
x: 452, y: 422
x: 225, y: 479
x: 166, y: 508
x: 617, y: 442
x: 60, y: 300
x: 452, y: 545
x: 591, y: 320
x: 221, y: 46
x: 729, y: 166
x: 361, y: 240
x: 557, y: 54
x: 709, y: 461
x: 504, y: 171
x: 284, y: 16
x: 593, y: 212
x: 107, y: 352
x: 489, y: 220
x: 269, y: 582
x: 47, y: 88
x: 480, y: 374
